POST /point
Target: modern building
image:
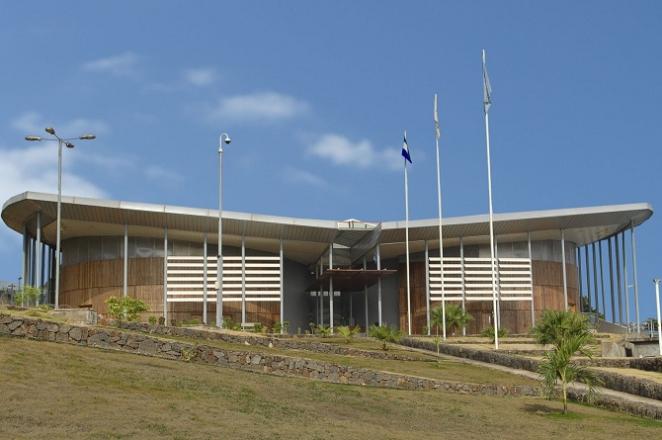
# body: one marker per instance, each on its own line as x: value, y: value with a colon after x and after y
x: 331, y: 272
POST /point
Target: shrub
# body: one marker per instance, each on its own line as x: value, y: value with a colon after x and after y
x: 489, y: 333
x: 347, y: 332
x: 385, y: 334
x: 324, y: 331
x: 282, y: 326
x: 570, y: 334
x: 161, y: 320
x: 230, y: 324
x: 152, y: 320
x: 126, y: 307
x: 26, y: 296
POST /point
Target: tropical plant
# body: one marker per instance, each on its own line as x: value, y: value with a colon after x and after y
x: 281, y: 326
x: 323, y: 330
x: 152, y: 320
x: 126, y: 307
x: 569, y: 334
x: 385, y: 334
x: 456, y: 318
x: 26, y: 296
x: 437, y: 319
x: 556, y: 325
x: 230, y: 324
x: 347, y: 332
x: 489, y: 333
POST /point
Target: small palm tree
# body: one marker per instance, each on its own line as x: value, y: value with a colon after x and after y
x: 569, y: 334
x: 456, y: 318
x: 437, y: 319
x: 385, y: 334
x: 347, y: 332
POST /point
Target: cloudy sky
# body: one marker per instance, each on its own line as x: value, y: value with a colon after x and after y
x: 316, y: 96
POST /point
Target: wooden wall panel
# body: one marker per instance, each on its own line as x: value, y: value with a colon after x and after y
x: 515, y: 315
x: 91, y: 283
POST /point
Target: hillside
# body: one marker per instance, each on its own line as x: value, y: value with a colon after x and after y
x: 61, y: 391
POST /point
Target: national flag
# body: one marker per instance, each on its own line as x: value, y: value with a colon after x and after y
x: 405, y: 149
x: 437, y: 131
x: 487, y: 88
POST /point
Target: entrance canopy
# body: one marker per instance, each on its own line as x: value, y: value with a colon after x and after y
x: 350, y: 279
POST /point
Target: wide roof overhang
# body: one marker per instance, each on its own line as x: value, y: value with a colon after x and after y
x: 306, y: 239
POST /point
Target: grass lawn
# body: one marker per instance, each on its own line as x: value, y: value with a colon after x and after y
x: 58, y: 391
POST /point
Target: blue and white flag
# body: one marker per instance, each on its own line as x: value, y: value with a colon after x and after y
x: 487, y: 88
x: 405, y: 149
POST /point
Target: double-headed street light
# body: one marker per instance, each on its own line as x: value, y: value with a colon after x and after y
x: 223, y: 140
x: 60, y: 142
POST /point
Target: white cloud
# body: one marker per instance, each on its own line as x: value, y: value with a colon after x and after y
x: 34, y: 168
x: 124, y: 64
x: 34, y: 123
x: 360, y: 154
x: 260, y: 106
x: 200, y: 77
x: 295, y: 175
x: 161, y: 174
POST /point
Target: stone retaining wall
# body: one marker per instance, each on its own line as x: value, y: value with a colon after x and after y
x: 648, y: 364
x: 242, y: 360
x: 615, y: 381
x: 265, y: 341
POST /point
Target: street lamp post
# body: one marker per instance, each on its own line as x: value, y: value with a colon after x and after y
x: 224, y: 139
x: 60, y: 142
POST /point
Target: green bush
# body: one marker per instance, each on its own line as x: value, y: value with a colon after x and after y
x: 347, y: 332
x: 152, y: 320
x: 489, y: 333
x: 323, y: 330
x: 385, y: 334
x: 281, y: 326
x: 230, y: 324
x: 126, y: 308
x: 27, y: 296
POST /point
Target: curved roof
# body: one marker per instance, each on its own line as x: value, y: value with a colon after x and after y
x: 306, y: 239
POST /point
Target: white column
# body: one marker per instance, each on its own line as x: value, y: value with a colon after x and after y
x: 243, y: 282
x: 634, y: 277
x: 626, y: 290
x: 427, y: 285
x: 565, y: 280
x: 365, y: 296
x: 533, y: 308
x: 165, y: 275
x: 321, y: 293
x: 282, y: 287
x: 464, y: 290
x: 659, y: 318
x: 24, y: 268
x: 39, y: 256
x: 125, y: 269
x: 205, y: 276
x: 379, y: 287
x: 331, y: 288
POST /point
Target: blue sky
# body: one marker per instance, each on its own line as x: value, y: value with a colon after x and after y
x: 316, y: 96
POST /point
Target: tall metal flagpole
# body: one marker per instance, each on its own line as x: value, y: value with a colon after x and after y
x: 405, y: 146
x: 487, y: 101
x: 437, y: 135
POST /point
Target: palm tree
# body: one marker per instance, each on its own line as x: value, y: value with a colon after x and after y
x: 437, y: 319
x: 569, y: 334
x: 385, y: 334
x: 456, y: 318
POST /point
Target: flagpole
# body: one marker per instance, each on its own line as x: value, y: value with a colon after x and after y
x: 407, y: 246
x: 486, y: 103
x: 441, y: 242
